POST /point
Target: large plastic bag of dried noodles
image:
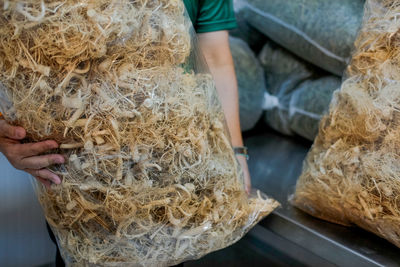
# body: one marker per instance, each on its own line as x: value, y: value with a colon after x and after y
x: 251, y: 83
x: 351, y: 176
x: 151, y: 177
x: 319, y: 31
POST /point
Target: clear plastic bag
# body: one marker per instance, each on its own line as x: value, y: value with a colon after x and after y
x: 351, y: 175
x: 321, y: 32
x: 6, y: 106
x: 151, y: 178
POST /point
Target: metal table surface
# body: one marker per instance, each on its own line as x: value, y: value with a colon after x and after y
x: 275, y: 164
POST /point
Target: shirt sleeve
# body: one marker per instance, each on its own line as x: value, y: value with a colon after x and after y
x: 215, y: 15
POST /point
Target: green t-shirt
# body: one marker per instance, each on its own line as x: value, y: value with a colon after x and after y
x: 211, y: 15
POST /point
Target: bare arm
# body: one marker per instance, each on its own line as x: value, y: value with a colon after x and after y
x: 215, y: 46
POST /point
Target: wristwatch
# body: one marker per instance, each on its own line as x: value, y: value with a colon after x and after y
x: 241, y: 150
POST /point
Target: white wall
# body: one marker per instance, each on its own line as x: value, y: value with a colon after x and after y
x: 23, y: 237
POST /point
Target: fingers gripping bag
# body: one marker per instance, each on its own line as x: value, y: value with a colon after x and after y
x: 351, y: 175
x: 151, y: 178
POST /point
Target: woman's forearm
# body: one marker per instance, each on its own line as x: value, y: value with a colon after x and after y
x: 225, y: 80
x: 218, y: 55
x: 215, y: 47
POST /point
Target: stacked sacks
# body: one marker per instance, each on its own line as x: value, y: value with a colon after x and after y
x: 321, y: 32
x: 251, y: 83
x: 297, y: 94
x: 309, y: 102
x: 245, y: 31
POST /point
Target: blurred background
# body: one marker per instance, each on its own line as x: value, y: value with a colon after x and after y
x: 290, y: 58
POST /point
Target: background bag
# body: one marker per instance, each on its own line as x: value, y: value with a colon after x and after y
x: 298, y: 94
x: 321, y: 32
x: 351, y: 175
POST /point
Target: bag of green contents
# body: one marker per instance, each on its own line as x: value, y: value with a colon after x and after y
x: 351, y: 175
x: 321, y: 32
x: 151, y: 179
x: 296, y: 99
x: 245, y: 31
x: 251, y: 83
x: 309, y: 102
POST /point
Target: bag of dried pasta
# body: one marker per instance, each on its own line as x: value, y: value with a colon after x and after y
x: 151, y: 177
x: 351, y: 175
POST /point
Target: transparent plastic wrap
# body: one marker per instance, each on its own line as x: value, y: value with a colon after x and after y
x: 6, y: 106
x: 351, y: 175
x: 321, y: 32
x: 251, y: 83
x: 151, y: 178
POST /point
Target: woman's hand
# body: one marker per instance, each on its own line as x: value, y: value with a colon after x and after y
x: 27, y: 157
